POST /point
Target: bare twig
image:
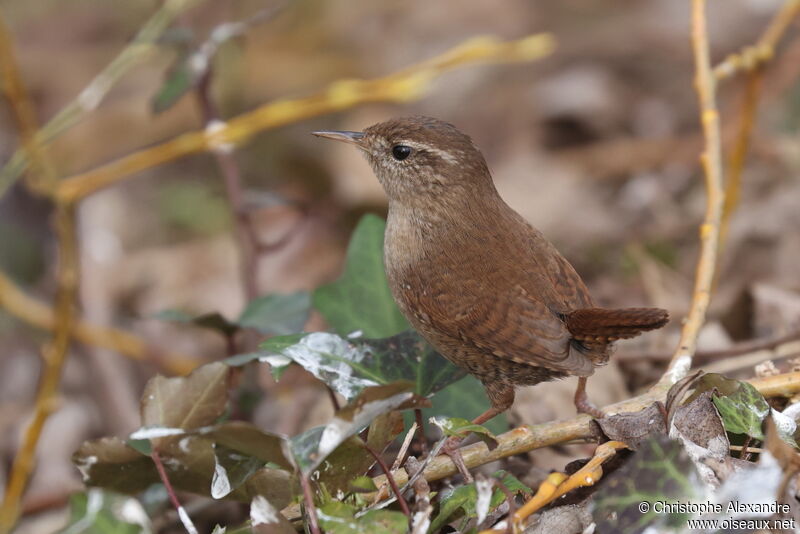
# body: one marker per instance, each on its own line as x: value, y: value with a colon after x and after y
x: 55, y: 352
x: 401, y: 454
x: 140, y: 47
x: 232, y: 177
x: 182, y: 515
x: 763, y: 50
x: 54, y: 355
x: 308, y: 499
x: 709, y: 231
x: 739, y: 153
x: 388, y: 473
x: 403, y: 86
x: 773, y: 344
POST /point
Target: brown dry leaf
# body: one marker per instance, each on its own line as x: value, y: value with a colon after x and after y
x: 185, y: 402
x: 698, y: 426
x: 634, y: 428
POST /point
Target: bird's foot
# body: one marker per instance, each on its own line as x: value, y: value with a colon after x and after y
x: 450, y: 448
x: 582, y: 402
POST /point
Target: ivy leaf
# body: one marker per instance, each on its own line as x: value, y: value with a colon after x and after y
x: 743, y: 411
x: 360, y: 301
x: 277, y: 314
x: 659, y: 471
x: 350, y: 365
x: 312, y: 447
x: 461, y: 428
x: 340, y: 518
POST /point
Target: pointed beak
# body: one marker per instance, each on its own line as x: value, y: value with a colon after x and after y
x: 354, y: 138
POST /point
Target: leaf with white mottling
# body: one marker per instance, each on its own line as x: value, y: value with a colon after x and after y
x: 312, y: 447
x: 266, y: 519
x: 350, y: 365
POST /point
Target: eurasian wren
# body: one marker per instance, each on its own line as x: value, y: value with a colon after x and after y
x: 483, y: 286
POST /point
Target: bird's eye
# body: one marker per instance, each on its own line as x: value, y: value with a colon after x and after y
x: 401, y: 152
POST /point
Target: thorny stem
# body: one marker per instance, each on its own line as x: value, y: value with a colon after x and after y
x: 390, y: 478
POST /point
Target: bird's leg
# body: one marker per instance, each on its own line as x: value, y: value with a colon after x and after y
x: 502, y: 397
x: 582, y: 402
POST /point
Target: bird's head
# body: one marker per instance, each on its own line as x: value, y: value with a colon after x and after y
x: 420, y: 157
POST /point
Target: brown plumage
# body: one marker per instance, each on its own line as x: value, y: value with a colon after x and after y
x: 473, y: 277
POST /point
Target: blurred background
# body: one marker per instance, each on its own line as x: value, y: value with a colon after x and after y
x: 597, y: 145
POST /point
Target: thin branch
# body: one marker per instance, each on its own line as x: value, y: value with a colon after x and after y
x: 773, y: 344
x: 387, y: 472
x: 140, y: 47
x: 579, y: 429
x: 311, y: 509
x: 709, y: 231
x: 232, y: 177
x: 403, y: 86
x: 763, y: 50
x: 44, y: 176
x: 38, y: 314
x: 182, y: 515
x: 54, y: 355
x: 741, y: 145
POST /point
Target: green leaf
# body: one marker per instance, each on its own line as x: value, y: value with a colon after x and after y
x: 179, y: 80
x: 363, y: 484
x: 659, y: 471
x: 212, y: 321
x: 340, y: 518
x: 458, y: 427
x: 350, y: 365
x: 231, y: 470
x: 466, y: 399
x: 98, y: 512
x: 312, y: 447
x: 743, y: 411
x: 360, y: 301
x: 462, y: 501
x: 277, y: 314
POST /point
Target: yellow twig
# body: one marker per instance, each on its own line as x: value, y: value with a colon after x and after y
x: 44, y: 176
x: 588, y: 475
x: 762, y: 51
x: 709, y: 231
x: 38, y: 314
x: 54, y: 355
x: 739, y: 153
x: 581, y: 428
x: 408, y: 84
x: 141, y: 46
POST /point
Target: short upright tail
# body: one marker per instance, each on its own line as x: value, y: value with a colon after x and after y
x: 600, y: 324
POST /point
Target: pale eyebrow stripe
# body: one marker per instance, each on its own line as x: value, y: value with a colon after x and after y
x: 445, y: 155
